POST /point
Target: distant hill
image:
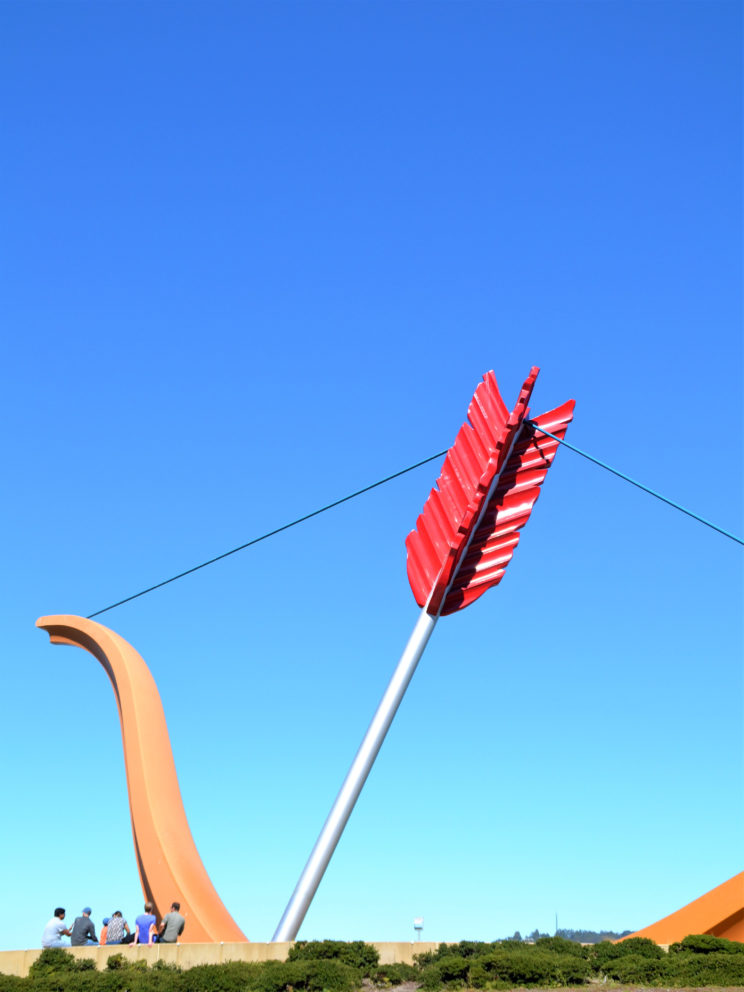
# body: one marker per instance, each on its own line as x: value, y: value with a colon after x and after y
x: 578, y: 936
x: 591, y: 936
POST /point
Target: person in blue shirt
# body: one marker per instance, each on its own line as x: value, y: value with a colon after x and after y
x: 145, y: 929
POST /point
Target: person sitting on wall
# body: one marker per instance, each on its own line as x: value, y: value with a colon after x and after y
x: 172, y: 926
x: 117, y: 927
x: 55, y: 930
x: 104, y: 930
x: 145, y: 929
x: 83, y: 931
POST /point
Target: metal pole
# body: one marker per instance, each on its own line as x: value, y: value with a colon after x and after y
x: 330, y: 835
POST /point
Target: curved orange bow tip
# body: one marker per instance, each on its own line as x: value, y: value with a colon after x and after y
x: 719, y: 912
x: 168, y: 861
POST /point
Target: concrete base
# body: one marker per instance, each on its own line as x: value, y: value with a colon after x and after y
x: 189, y: 955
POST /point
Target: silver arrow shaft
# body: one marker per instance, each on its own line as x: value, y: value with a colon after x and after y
x: 330, y: 835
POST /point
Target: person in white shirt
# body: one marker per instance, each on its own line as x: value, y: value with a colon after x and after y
x: 55, y: 930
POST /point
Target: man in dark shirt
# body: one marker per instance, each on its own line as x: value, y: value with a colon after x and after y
x: 83, y: 931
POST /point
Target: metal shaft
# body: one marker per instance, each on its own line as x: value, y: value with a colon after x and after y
x: 330, y: 835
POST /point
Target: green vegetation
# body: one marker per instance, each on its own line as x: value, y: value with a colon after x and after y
x: 339, y: 966
x: 590, y: 936
x: 355, y: 953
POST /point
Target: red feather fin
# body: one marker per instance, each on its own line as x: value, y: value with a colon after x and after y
x: 491, y: 478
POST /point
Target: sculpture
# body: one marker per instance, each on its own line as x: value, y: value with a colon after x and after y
x: 167, y: 859
x: 719, y: 912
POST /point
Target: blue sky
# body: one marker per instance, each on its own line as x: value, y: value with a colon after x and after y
x: 257, y: 256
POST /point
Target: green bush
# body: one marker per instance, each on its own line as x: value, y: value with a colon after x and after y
x: 320, y: 975
x: 54, y: 960
x: 561, y: 945
x: 364, y: 957
x: 117, y: 961
x: 465, y: 949
x: 528, y: 965
x: 479, y: 976
x: 518, y: 966
x: 276, y: 976
x: 337, y: 966
x: 451, y: 971
x: 12, y: 983
x: 426, y: 958
x: 706, y: 943
x: 509, y: 964
x: 161, y: 965
x: 602, y: 955
x: 720, y: 968
x: 638, y: 969
x: 232, y: 976
x: 393, y: 974
x: 87, y: 980
x: 571, y: 969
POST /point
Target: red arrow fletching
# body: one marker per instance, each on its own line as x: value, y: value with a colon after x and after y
x: 490, y: 480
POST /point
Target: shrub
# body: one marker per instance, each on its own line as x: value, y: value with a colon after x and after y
x: 161, y: 965
x: 528, y: 965
x: 602, y: 955
x: 706, y: 943
x: 364, y: 957
x: 561, y: 945
x: 86, y: 980
x: 12, y: 983
x: 393, y: 974
x: 465, y: 949
x: 276, y: 976
x: 232, y: 976
x: 720, y: 968
x: 518, y: 966
x: 320, y: 975
x: 571, y: 969
x: 638, y: 969
x: 426, y: 958
x: 639, y: 945
x: 451, y: 971
x: 53, y: 960
x: 479, y: 977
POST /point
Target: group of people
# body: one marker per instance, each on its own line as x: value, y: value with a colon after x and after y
x: 115, y: 928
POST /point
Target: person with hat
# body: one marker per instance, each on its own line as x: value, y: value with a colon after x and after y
x: 104, y: 931
x: 83, y: 931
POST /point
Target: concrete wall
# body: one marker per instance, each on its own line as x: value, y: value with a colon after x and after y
x: 188, y: 955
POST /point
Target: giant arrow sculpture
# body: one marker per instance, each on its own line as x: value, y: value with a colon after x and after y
x: 463, y: 541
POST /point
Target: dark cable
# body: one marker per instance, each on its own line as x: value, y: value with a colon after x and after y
x: 389, y: 478
x: 270, y: 533
x: 639, y: 485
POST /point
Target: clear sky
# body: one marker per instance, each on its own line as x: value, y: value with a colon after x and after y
x: 258, y: 255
